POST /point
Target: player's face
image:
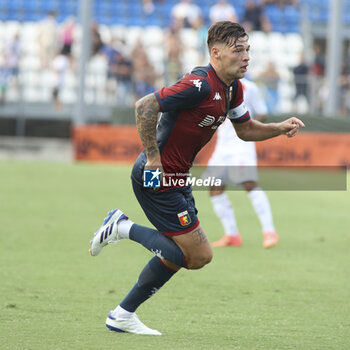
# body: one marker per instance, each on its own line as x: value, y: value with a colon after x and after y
x: 235, y: 59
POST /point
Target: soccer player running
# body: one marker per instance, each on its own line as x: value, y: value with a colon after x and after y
x: 192, y: 109
x: 235, y: 160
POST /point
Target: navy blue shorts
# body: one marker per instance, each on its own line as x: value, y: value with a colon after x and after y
x: 171, y: 212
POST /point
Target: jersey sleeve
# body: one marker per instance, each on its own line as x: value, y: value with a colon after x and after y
x: 187, y: 93
x: 238, y: 112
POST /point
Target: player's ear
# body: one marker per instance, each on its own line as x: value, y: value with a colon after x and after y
x: 215, y: 52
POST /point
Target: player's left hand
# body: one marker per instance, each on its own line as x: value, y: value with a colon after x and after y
x: 291, y: 126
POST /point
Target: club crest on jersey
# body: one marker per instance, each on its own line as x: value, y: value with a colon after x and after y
x: 184, y: 218
x: 197, y: 83
x: 208, y: 120
x: 217, y: 97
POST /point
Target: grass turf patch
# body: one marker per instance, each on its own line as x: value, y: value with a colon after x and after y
x: 53, y: 295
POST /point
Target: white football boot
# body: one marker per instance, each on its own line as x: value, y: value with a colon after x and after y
x: 108, y: 232
x: 130, y: 324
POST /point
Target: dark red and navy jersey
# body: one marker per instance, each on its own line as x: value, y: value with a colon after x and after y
x: 192, y: 110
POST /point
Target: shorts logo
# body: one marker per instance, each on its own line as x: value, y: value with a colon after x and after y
x: 184, y: 218
x: 151, y: 178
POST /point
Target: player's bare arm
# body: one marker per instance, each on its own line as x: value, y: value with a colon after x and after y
x: 147, y: 109
x: 261, y: 117
x: 254, y: 130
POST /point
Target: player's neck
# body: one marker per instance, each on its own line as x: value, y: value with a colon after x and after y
x: 220, y: 74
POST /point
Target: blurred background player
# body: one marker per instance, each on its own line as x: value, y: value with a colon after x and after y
x: 235, y: 160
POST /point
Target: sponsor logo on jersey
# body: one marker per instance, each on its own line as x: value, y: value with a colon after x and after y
x: 197, y: 83
x: 217, y: 97
x: 207, y: 121
x: 184, y: 218
x: 221, y: 120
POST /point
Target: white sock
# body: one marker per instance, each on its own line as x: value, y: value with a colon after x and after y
x: 120, y: 312
x: 262, y: 208
x: 224, y: 211
x: 124, y: 228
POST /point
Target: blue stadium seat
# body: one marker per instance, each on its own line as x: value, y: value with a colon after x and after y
x: 292, y: 18
x: 273, y: 13
x: 130, y: 12
x: 121, y: 20
x: 240, y: 12
x: 70, y: 8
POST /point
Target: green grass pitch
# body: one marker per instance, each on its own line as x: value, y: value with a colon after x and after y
x: 53, y: 295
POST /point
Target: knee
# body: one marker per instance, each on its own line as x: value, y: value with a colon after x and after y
x: 197, y: 261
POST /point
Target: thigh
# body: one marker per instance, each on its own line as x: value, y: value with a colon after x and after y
x: 171, y: 212
x: 243, y: 173
x: 245, y: 165
x: 196, y: 247
x: 220, y: 172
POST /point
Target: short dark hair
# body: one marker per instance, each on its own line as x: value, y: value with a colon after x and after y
x: 225, y: 32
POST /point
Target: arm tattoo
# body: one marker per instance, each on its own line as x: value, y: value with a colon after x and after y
x: 199, y: 236
x: 147, y: 110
